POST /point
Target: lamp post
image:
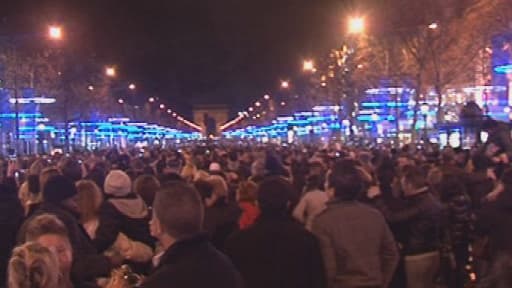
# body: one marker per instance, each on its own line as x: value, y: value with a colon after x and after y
x: 424, y: 111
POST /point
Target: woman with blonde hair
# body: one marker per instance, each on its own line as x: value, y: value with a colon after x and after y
x: 33, y: 266
x: 246, y: 196
x: 89, y: 201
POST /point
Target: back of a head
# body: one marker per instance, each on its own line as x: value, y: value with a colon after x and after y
x: 71, y: 168
x: 58, y: 188
x: 247, y: 191
x: 44, y: 224
x: 146, y: 186
x: 179, y: 209
x: 46, y: 174
x: 451, y: 186
x: 416, y: 177
x: 89, y: 200
x: 33, y: 266
x: 481, y: 162
x: 274, y: 195
x: 346, y: 181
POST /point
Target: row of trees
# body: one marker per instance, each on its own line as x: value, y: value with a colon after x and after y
x: 429, y: 45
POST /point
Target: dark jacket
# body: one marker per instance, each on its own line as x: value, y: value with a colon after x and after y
x: 495, y: 221
x: 194, y: 263
x: 220, y: 221
x: 357, y: 246
x: 128, y: 215
x: 457, y: 221
x: 87, y: 263
x: 11, y: 218
x: 422, y: 217
x: 277, y: 252
x: 478, y: 186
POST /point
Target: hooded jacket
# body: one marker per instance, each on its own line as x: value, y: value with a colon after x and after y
x: 126, y: 214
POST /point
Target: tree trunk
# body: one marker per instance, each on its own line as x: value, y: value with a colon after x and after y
x: 439, y: 113
x: 417, y: 94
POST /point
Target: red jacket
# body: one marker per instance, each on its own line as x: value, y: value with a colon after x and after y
x: 250, y: 213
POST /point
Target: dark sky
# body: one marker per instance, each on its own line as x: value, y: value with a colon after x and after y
x: 192, y: 51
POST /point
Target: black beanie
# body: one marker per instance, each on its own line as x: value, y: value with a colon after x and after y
x: 58, y: 188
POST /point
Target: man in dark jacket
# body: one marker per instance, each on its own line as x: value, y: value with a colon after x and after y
x: 422, y: 217
x: 11, y: 217
x: 276, y: 251
x: 189, y: 259
x: 123, y: 212
x: 59, y: 199
x: 357, y: 245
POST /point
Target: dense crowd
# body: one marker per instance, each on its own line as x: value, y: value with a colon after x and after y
x: 259, y: 216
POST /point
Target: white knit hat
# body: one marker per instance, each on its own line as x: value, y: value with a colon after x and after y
x: 118, y: 183
x: 215, y: 167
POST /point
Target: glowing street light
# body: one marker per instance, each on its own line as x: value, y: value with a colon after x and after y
x: 162, y: 106
x: 174, y: 114
x: 55, y: 32
x: 251, y: 109
x: 169, y: 111
x: 433, y: 26
x: 120, y: 101
x: 308, y: 66
x: 110, y: 71
x: 266, y: 97
x: 132, y: 86
x: 356, y: 25
x: 257, y: 104
x: 285, y: 84
x: 151, y: 99
x: 90, y: 88
x: 283, y: 103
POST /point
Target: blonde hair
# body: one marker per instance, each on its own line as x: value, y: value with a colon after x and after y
x: 188, y: 172
x: 89, y: 199
x: 220, y: 188
x: 33, y: 266
x: 247, y: 192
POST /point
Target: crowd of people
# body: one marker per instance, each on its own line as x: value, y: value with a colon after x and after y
x: 257, y: 216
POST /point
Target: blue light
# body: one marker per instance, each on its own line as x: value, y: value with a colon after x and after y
x: 504, y: 69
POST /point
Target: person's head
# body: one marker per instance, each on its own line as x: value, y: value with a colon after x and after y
x: 188, y: 172
x: 89, y: 199
x: 315, y: 182
x: 50, y: 232
x: 481, y: 162
x: 32, y: 266
x: 413, y: 179
x: 61, y: 190
x: 220, y: 188
x: 178, y: 213
x: 274, y: 195
x: 46, y: 174
x: 117, y: 184
x: 344, y: 182
x: 247, y: 192
x: 146, y: 186
x: 71, y: 168
x: 258, y: 168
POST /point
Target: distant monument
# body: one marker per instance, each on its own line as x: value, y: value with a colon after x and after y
x: 210, y: 117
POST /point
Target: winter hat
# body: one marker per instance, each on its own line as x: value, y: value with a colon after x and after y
x: 215, y: 167
x: 58, y: 188
x: 117, y: 183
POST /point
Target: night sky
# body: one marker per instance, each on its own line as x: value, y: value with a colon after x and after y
x: 192, y: 52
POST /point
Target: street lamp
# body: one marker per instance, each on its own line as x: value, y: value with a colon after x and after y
x: 433, y: 26
x: 251, y: 109
x: 266, y: 97
x: 424, y: 111
x: 110, y: 71
x: 257, y: 104
x: 120, y: 101
x: 151, y: 99
x: 283, y: 103
x: 55, y: 32
x: 90, y: 88
x: 132, y: 86
x: 285, y: 84
x: 162, y: 106
x: 169, y: 111
x: 356, y: 25
x: 308, y: 66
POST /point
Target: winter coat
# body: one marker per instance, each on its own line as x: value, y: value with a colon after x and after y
x: 478, y: 186
x: 311, y: 204
x: 194, y: 263
x: 250, y: 213
x: 220, y: 221
x: 128, y: 215
x: 11, y: 218
x: 277, y: 252
x: 457, y: 221
x: 87, y: 263
x: 495, y: 221
x: 357, y: 245
x: 422, y: 217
